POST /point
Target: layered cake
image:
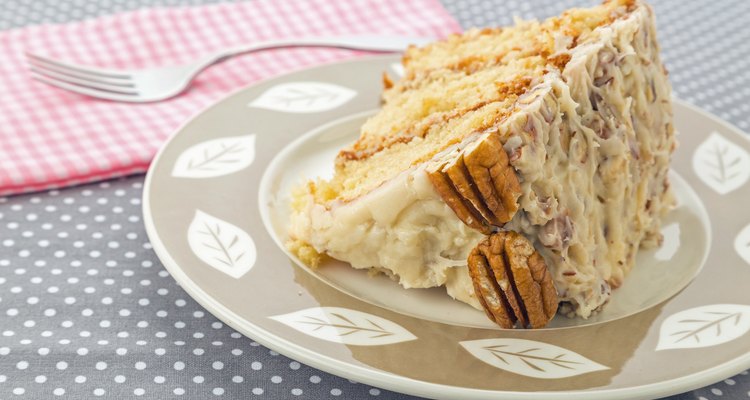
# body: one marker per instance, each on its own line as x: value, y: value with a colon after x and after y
x: 522, y: 168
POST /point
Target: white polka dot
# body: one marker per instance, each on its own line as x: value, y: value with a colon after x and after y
x: 82, y: 351
x: 179, y: 391
x: 3, y: 378
x: 315, y: 379
x: 140, y: 365
x: 239, y: 379
x: 717, y: 391
x: 257, y: 391
x: 62, y: 365
x: 101, y: 365
x: 58, y: 392
x: 120, y: 379
x: 159, y: 379
x: 139, y: 392
x: 218, y: 391
x: 40, y: 379
x: 294, y: 365
x: 80, y: 379
x: 276, y: 379
x: 160, y: 352
x: 179, y: 365
x: 336, y: 392
x: 296, y: 391
x: 19, y: 391
x: 198, y: 352
x: 374, y: 392
x: 22, y: 365
x: 43, y: 351
x: 218, y: 365
x: 237, y: 352
x: 99, y: 392
x: 198, y: 379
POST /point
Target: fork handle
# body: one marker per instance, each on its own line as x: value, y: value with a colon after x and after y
x: 366, y: 43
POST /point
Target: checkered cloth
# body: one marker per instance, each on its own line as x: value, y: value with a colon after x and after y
x: 51, y: 138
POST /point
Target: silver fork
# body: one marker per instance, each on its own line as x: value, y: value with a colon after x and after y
x: 155, y: 84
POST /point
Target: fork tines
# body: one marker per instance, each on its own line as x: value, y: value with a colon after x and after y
x: 84, y: 80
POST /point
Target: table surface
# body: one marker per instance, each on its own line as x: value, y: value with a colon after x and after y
x: 86, y: 308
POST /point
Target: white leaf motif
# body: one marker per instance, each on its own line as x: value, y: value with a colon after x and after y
x: 671, y: 243
x: 342, y: 325
x: 397, y: 69
x: 721, y: 164
x: 704, y: 326
x: 742, y: 244
x: 303, y: 97
x: 215, y: 157
x: 221, y: 245
x: 531, y: 358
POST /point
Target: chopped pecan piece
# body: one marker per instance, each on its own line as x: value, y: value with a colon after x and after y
x: 479, y: 185
x: 512, y: 281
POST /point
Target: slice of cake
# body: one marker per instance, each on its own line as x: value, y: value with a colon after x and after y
x: 519, y: 167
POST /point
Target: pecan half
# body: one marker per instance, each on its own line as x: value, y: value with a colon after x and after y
x: 512, y: 281
x: 479, y: 184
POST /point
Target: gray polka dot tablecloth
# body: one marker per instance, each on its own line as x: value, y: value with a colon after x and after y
x: 87, y: 310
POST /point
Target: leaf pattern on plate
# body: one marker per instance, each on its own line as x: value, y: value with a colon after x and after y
x: 342, y: 325
x: 221, y: 245
x: 742, y: 244
x: 721, y: 164
x: 531, y: 358
x: 215, y: 157
x: 671, y: 243
x: 704, y: 326
x: 303, y: 97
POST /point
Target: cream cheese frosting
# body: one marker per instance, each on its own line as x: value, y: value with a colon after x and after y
x: 404, y: 228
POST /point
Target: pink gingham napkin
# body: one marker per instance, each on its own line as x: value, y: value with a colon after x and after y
x: 51, y: 138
